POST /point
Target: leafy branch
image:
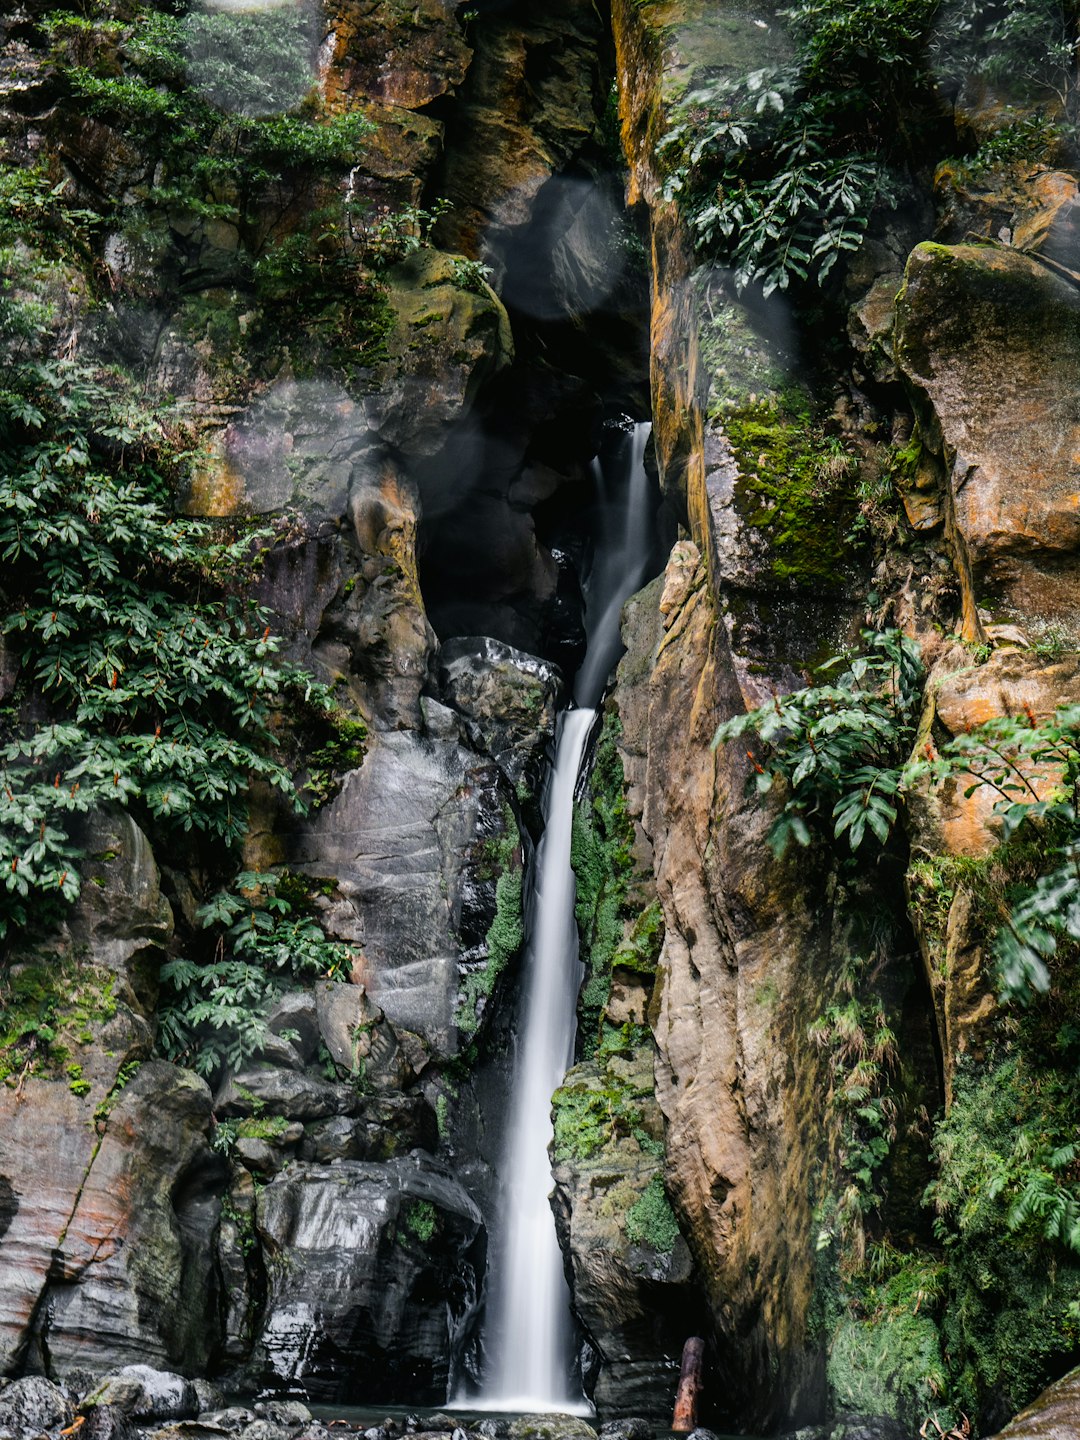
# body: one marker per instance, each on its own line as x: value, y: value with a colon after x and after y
x: 838, y: 747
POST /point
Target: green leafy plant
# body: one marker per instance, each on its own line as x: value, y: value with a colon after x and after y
x: 156, y: 684
x: 838, y: 747
x: 471, y: 275
x: 862, y: 1057
x: 1034, y: 769
x: 261, y: 944
x: 651, y: 1220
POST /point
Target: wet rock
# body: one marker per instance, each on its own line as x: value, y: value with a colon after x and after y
x: 402, y: 841
x: 868, y: 1427
x: 122, y: 919
x: 966, y: 315
x: 283, y: 1092
x: 296, y: 1011
x: 636, y: 1298
x: 290, y: 1414
x: 526, y: 108
x: 634, y: 1427
x: 551, y: 1427
x: 448, y: 340
x: 386, y: 1125
x: 208, y: 1396
x: 1055, y: 1415
x: 104, y: 1422
x: 33, y: 1404
x: 360, y: 1041
x: 373, y: 1278
x: 510, y: 698
x: 144, y: 1393
x: 232, y: 1417
x: 257, y: 1155
x: 188, y: 1430
x: 397, y: 51
x: 117, y: 1256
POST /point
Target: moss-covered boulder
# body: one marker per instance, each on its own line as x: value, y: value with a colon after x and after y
x: 633, y: 1279
x: 450, y: 335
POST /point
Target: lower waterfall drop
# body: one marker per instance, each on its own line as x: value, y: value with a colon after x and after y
x: 529, y: 1333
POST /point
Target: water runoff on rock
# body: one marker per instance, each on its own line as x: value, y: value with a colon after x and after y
x: 529, y: 1334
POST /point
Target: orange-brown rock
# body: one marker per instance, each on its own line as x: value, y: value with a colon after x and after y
x: 989, y: 342
x: 397, y: 52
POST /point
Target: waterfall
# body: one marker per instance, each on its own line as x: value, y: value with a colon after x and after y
x: 529, y: 1334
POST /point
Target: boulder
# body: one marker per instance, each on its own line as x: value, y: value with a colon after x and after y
x: 551, y: 1427
x: 508, y: 696
x: 634, y: 1293
x: 143, y: 1393
x: 386, y: 1125
x: 373, y: 1276
x: 283, y: 1092
x: 448, y: 340
x: 408, y: 842
x: 296, y: 1011
x: 31, y: 1405
x: 133, y: 1277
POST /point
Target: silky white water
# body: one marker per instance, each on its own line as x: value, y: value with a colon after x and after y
x: 529, y: 1334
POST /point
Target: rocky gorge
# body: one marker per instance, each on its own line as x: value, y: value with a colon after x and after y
x: 319, y: 323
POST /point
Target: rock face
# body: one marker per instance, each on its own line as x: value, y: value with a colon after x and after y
x: 374, y: 1275
x: 632, y: 1276
x: 397, y: 842
x: 967, y: 316
x: 1055, y: 1415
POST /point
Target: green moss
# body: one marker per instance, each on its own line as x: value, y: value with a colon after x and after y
x: 651, y: 1220
x: 639, y: 948
x: 612, y: 930
x: 343, y: 750
x: 270, y: 1127
x: 45, y: 1008
x: 506, y: 933
x: 598, y: 1109
x: 739, y: 363
x: 796, y: 487
x: 422, y: 1220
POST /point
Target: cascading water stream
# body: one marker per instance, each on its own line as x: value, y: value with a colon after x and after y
x: 529, y: 1334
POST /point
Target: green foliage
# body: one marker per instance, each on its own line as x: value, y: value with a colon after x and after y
x: 471, y: 275
x: 885, y: 1357
x: 1006, y: 1199
x: 422, y: 1220
x: 862, y: 1056
x: 779, y: 170
x: 344, y: 751
x: 157, y: 686
x: 1026, y: 47
x: 651, y: 1220
x: 46, y: 1009
x: 506, y: 933
x: 1026, y: 139
x: 261, y: 944
x: 837, y: 747
x: 1034, y: 770
x: 601, y: 855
